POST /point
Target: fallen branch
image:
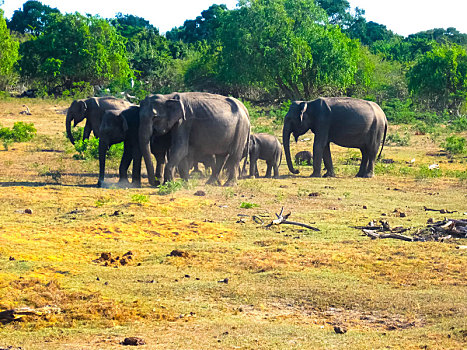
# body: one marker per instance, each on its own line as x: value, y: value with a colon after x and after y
x: 442, y: 211
x: 373, y: 235
x: 282, y: 219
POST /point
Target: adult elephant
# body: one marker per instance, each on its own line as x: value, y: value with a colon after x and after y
x: 347, y: 122
x: 91, y: 109
x: 201, y: 124
x: 123, y: 126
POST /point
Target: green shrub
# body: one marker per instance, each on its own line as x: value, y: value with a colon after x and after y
x: 89, y: 149
x: 455, y: 144
x: 399, y: 140
x: 21, y: 132
x: 171, y: 187
x: 139, y: 198
x: 248, y: 205
x: 459, y: 124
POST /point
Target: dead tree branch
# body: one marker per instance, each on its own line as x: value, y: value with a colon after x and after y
x: 282, y: 219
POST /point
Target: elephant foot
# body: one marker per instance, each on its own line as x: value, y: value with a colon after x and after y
x: 315, y: 175
x: 213, y: 181
x: 100, y: 183
x: 136, y: 184
x: 328, y: 174
x: 230, y: 183
x: 366, y: 176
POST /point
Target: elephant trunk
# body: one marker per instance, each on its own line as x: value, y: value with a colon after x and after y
x: 286, y: 131
x: 69, y: 118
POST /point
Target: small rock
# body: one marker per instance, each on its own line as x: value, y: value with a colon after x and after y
x: 200, y: 193
x: 340, y: 330
x: 123, y: 261
x: 178, y: 253
x: 134, y: 341
x: 106, y: 256
x: 11, y: 258
x: 28, y: 211
x: 313, y: 194
x: 365, y: 207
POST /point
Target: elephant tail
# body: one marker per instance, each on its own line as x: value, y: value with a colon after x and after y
x: 384, y: 139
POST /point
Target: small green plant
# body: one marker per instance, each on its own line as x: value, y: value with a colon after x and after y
x: 171, y: 187
x: 139, y: 198
x: 455, y: 144
x: 399, y: 140
x: 21, y: 132
x: 89, y: 149
x: 101, y: 201
x: 459, y: 124
x: 248, y: 205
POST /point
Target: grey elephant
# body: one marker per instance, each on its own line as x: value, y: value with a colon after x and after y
x: 123, y: 126
x: 345, y: 121
x: 91, y: 109
x: 266, y: 147
x: 304, y: 158
x: 202, y: 124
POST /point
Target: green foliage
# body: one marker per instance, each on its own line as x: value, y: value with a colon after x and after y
x: 32, y: 19
x: 459, y: 124
x: 139, y: 198
x: 21, y: 132
x: 74, y: 48
x: 398, y: 140
x: 89, y: 148
x: 171, y: 187
x: 455, y: 144
x: 439, y: 78
x: 8, y: 54
x: 248, y: 205
x: 285, y: 46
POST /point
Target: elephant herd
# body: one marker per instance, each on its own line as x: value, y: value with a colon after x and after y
x: 183, y: 129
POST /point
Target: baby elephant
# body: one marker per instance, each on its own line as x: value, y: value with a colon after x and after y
x: 304, y: 158
x: 266, y: 147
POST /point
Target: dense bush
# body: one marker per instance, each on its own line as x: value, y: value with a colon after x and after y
x: 21, y: 132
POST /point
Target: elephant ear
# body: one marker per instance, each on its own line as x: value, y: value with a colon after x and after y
x: 176, y: 109
x: 80, y: 109
x: 303, y: 107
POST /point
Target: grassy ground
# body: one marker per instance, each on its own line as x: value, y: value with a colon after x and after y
x: 203, y: 274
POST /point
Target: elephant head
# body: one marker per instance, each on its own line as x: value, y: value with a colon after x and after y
x: 76, y: 113
x: 158, y: 114
x: 296, y: 123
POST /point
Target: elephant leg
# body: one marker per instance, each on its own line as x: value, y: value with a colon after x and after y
x: 103, y: 147
x: 319, y: 145
x: 160, y: 163
x: 124, y: 164
x: 177, y: 154
x: 214, y: 178
x: 87, y: 130
x: 364, y: 164
x: 370, y: 168
x: 253, y: 166
x: 328, y: 162
x: 276, y: 168
x: 184, y: 168
x: 268, y: 169
x: 136, y: 172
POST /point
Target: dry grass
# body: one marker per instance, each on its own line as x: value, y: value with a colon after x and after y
x: 286, y: 287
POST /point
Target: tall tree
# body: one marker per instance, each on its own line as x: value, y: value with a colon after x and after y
x: 32, y: 19
x: 284, y: 44
x: 201, y: 28
x: 439, y: 78
x: 74, y: 48
x: 8, y: 53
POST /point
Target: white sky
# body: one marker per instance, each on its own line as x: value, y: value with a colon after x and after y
x: 404, y: 17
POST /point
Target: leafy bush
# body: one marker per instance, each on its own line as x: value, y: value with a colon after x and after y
x: 459, y: 124
x: 455, y: 144
x: 248, y: 205
x: 21, y: 132
x: 89, y: 149
x: 399, y: 140
x: 171, y: 187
